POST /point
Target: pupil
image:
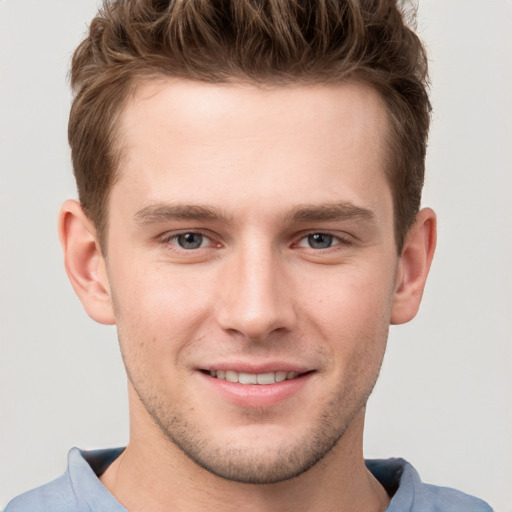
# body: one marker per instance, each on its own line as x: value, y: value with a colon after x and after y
x: 190, y: 240
x: 320, y: 240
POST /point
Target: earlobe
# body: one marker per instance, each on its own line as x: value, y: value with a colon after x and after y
x: 84, y: 262
x: 414, y: 265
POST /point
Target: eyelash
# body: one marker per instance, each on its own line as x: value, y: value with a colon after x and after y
x: 338, y: 240
x: 171, y: 240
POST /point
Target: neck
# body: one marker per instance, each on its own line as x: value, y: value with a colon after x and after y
x: 153, y: 474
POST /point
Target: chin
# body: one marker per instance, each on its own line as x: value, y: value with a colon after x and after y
x: 258, y: 465
x: 259, y: 453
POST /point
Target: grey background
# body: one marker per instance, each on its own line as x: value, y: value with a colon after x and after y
x: 444, y: 400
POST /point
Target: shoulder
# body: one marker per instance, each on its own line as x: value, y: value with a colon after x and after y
x: 446, y: 499
x: 77, y: 490
x: 410, y: 494
x: 56, y: 496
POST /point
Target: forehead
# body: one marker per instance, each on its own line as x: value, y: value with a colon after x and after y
x: 239, y: 110
x: 235, y: 144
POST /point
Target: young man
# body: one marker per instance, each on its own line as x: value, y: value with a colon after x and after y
x: 250, y: 176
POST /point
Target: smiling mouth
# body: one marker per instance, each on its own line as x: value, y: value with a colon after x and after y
x: 253, y: 378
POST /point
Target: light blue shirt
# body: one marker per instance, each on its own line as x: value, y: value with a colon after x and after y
x: 79, y: 489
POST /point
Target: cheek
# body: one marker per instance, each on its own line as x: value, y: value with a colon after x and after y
x: 356, y: 297
x: 158, y: 312
x: 352, y: 311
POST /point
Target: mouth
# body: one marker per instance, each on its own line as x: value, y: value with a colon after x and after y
x: 256, y: 387
x: 262, y: 379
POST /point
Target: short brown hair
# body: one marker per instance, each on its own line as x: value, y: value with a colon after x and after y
x: 277, y: 42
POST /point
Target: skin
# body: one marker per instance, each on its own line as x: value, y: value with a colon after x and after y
x: 251, y: 174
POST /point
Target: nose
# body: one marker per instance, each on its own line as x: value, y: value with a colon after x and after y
x: 257, y: 296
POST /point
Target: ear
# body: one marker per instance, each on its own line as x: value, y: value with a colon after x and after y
x: 84, y: 262
x: 413, y: 267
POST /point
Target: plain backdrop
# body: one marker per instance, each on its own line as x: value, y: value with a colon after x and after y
x: 444, y: 399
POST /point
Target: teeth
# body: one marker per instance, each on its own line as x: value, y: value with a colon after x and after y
x: 280, y: 376
x: 253, y: 378
x: 231, y: 376
x: 247, y: 378
x: 266, y: 378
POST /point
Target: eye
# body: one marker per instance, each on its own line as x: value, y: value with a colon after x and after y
x: 191, y: 240
x: 319, y: 241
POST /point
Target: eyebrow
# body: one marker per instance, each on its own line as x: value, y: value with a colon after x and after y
x: 331, y: 212
x: 161, y: 212
x: 157, y: 213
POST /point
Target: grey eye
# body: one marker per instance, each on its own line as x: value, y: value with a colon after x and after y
x: 320, y: 240
x: 190, y: 240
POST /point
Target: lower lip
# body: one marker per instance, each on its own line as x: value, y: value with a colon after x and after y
x: 256, y: 395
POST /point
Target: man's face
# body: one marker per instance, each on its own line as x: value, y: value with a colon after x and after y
x: 251, y: 239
